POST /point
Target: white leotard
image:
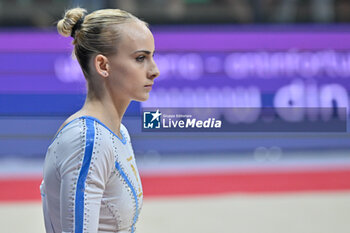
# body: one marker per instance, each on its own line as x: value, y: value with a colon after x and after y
x: 91, y: 183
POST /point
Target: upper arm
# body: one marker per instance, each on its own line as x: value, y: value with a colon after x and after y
x: 84, y: 175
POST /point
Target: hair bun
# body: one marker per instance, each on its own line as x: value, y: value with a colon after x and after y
x: 71, y: 22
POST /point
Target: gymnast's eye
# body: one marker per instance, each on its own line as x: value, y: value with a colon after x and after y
x: 140, y: 58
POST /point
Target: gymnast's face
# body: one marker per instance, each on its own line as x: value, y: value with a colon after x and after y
x: 132, y: 69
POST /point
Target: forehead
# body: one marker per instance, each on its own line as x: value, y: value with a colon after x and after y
x: 136, y: 36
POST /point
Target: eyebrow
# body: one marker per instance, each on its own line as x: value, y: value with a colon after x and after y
x: 143, y: 51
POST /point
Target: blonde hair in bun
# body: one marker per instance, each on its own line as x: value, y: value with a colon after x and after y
x: 71, y: 17
x: 97, y: 34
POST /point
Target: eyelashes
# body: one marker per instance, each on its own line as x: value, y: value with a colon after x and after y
x: 140, y: 58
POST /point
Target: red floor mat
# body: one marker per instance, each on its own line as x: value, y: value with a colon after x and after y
x: 27, y: 188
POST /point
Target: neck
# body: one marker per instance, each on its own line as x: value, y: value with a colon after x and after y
x: 109, y: 110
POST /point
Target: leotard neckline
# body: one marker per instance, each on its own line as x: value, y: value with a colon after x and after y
x: 123, y: 139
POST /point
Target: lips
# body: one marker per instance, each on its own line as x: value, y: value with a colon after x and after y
x: 150, y: 85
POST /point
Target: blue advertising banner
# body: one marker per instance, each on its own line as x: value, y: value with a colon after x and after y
x: 200, y: 67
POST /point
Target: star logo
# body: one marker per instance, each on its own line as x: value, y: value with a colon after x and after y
x: 151, y: 120
x: 156, y: 115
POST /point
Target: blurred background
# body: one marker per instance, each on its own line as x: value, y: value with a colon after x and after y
x: 210, y: 53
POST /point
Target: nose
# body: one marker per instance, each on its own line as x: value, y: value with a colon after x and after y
x: 153, y: 71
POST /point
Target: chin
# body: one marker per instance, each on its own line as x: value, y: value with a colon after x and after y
x: 142, y: 98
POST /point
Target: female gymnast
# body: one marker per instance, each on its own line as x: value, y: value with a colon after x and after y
x: 91, y: 182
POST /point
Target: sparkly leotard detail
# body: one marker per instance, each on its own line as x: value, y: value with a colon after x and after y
x: 91, y: 182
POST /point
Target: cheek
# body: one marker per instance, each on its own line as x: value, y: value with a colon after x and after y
x: 126, y: 76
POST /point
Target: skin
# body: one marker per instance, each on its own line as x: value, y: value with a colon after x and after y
x: 118, y: 79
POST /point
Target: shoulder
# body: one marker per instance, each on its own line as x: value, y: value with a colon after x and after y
x: 80, y: 132
x: 68, y: 131
x: 82, y: 138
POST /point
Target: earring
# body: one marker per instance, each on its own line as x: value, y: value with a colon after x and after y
x: 105, y: 73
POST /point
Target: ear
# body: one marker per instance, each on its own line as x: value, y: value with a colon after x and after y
x: 101, y: 65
